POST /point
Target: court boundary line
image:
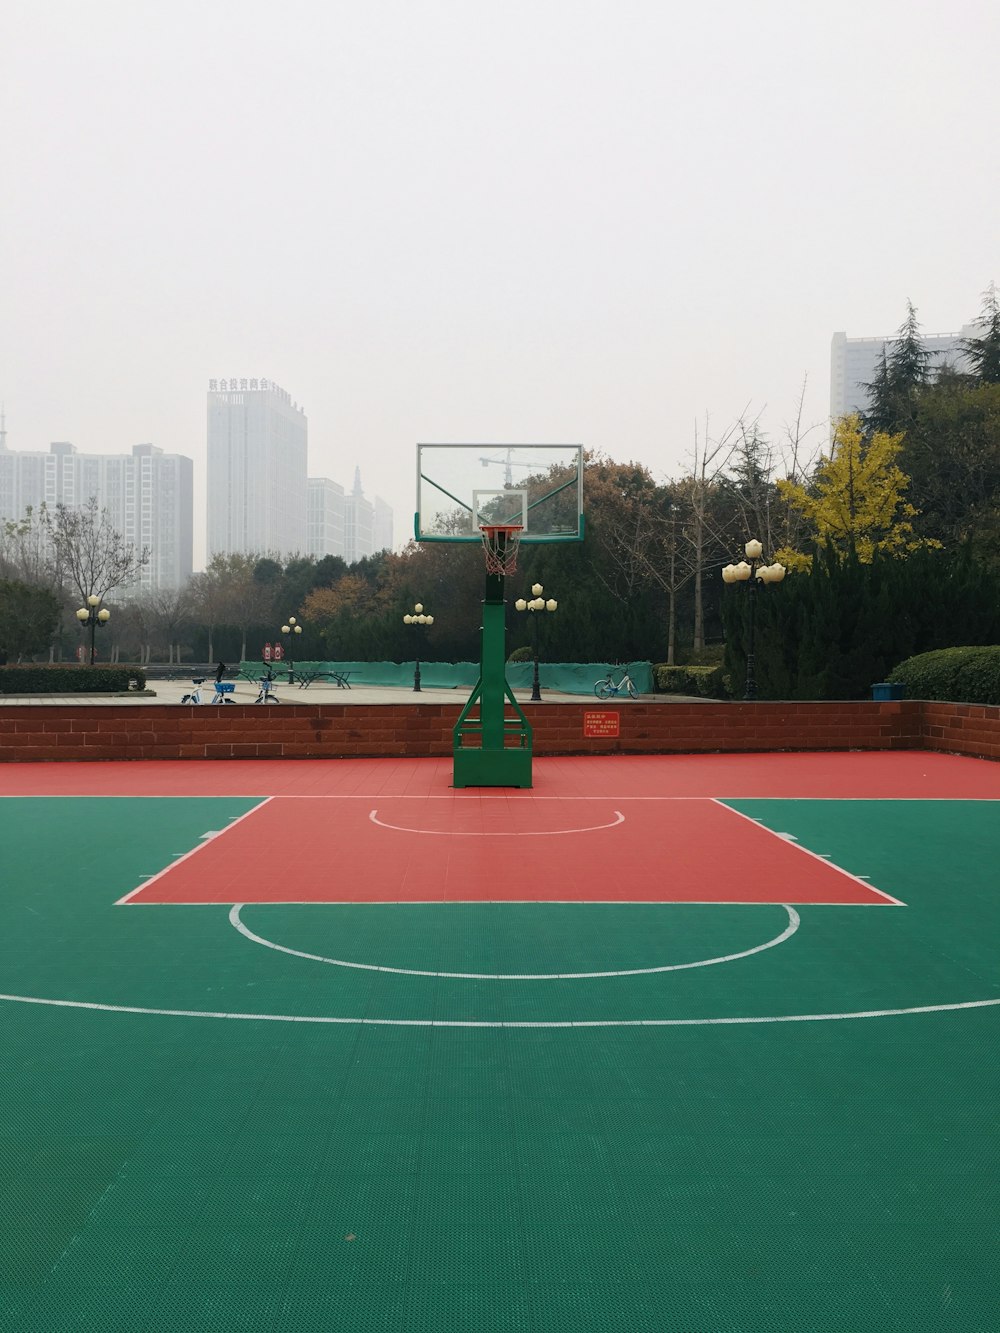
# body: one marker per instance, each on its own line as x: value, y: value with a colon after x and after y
x: 823, y: 860
x: 459, y: 794
x: 794, y: 921
x: 333, y: 1020
x: 620, y: 819
x: 503, y: 902
x: 202, y: 843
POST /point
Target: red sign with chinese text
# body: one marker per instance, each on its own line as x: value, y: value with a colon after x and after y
x: 600, y: 724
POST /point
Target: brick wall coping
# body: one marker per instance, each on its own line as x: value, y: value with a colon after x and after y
x: 330, y: 730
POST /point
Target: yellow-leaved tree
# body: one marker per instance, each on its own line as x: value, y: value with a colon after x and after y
x: 857, y: 498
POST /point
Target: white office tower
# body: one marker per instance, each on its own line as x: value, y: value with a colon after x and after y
x: 359, y: 523
x: 853, y: 362
x: 148, y: 495
x: 257, y: 440
x: 326, y: 518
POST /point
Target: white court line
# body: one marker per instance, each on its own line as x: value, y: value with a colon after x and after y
x: 787, y: 933
x: 512, y: 1023
x: 496, y: 833
x: 823, y: 860
x: 205, y: 840
x: 505, y: 902
x: 459, y: 795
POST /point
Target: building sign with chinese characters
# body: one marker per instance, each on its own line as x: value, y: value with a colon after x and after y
x: 600, y: 724
x: 252, y: 386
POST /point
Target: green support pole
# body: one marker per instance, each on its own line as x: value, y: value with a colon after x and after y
x: 482, y: 757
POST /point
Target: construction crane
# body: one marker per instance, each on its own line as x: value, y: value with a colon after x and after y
x: 507, y: 464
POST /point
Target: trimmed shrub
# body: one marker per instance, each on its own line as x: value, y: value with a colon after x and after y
x: 701, y: 682
x: 521, y: 655
x: 713, y: 654
x: 70, y: 679
x: 953, y: 675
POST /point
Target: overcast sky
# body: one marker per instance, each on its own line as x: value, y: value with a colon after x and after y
x: 433, y: 220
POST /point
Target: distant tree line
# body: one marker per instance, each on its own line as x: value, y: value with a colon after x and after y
x: 891, y: 536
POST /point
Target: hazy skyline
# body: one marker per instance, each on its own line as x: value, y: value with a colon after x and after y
x: 562, y: 222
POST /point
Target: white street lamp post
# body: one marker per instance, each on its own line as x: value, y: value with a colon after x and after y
x: 291, y: 629
x: 417, y: 618
x: 537, y: 603
x: 751, y: 571
x: 89, y: 615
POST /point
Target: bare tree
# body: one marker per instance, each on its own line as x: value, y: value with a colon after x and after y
x: 92, y: 555
x: 797, y: 457
x: 27, y: 551
x: 227, y: 594
x: 646, y: 547
x: 703, y: 534
x: 209, y: 602
x: 168, y: 613
x: 248, y: 602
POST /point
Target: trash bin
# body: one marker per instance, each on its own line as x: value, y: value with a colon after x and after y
x: 887, y: 689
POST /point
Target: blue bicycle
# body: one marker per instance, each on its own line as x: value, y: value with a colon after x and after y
x: 223, y: 689
x: 609, y: 687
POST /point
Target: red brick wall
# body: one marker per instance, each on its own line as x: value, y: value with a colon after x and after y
x: 157, y: 731
x: 962, y: 729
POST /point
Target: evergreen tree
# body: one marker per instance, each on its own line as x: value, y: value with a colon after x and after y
x: 908, y: 357
x: 901, y: 372
x: 881, y: 414
x: 952, y: 455
x: 984, y: 353
x: 29, y: 619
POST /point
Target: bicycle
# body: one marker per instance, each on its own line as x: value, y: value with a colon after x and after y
x: 267, y: 694
x: 221, y: 695
x: 608, y: 687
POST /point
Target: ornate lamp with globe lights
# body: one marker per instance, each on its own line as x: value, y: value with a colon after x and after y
x: 537, y: 604
x: 417, y: 618
x: 291, y: 630
x: 90, y: 616
x: 752, y: 570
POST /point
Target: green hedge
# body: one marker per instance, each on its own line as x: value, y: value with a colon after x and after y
x: 702, y: 682
x: 835, y: 633
x: 33, y: 679
x: 956, y: 675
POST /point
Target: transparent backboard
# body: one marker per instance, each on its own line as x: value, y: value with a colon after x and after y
x: 461, y: 487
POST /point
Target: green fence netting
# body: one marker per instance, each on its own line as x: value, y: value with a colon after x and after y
x: 561, y: 677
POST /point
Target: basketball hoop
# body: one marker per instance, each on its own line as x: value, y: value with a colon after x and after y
x: 500, y: 542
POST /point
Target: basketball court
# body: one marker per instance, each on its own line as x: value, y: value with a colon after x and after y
x: 693, y: 1043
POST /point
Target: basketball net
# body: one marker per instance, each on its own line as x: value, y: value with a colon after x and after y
x: 500, y: 542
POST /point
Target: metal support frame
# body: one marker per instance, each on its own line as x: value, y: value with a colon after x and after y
x: 492, y: 762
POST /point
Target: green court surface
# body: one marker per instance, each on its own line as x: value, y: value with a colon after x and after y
x: 500, y: 1116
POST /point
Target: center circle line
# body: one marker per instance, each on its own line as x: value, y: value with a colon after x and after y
x: 793, y: 924
x: 495, y: 833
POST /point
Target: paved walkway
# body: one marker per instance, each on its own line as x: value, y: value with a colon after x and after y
x: 321, y: 692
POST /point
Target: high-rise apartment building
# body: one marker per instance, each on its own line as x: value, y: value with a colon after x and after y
x: 148, y: 495
x: 257, y: 470
x: 853, y: 362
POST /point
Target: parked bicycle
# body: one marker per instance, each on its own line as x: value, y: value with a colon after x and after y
x: 609, y: 687
x: 223, y: 689
x: 267, y: 694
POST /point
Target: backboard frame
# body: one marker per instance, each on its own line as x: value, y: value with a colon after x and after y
x: 429, y: 491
